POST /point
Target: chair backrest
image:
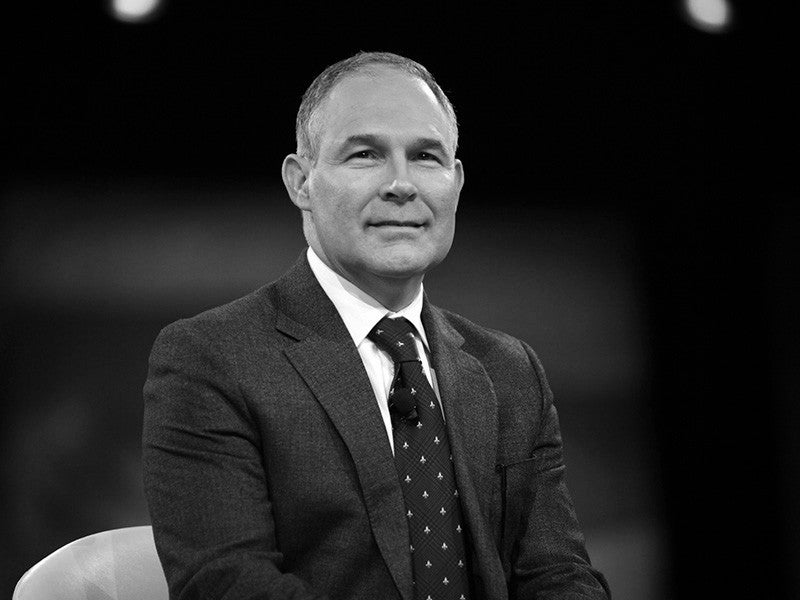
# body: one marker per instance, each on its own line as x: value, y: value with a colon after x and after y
x: 120, y: 564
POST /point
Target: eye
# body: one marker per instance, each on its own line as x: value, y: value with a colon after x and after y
x: 362, y: 155
x: 427, y: 157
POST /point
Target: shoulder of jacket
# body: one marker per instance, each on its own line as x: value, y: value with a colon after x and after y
x: 229, y: 319
x: 478, y: 335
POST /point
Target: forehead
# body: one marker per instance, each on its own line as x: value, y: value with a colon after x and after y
x: 382, y: 100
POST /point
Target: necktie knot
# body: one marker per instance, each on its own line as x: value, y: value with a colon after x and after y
x: 396, y: 337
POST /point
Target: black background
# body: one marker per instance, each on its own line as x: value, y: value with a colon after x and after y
x: 619, y: 106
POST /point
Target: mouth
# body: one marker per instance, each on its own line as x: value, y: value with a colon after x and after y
x: 392, y: 223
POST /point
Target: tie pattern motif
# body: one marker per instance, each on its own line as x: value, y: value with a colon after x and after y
x: 425, y: 468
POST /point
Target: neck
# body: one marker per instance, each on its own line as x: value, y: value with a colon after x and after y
x: 395, y: 294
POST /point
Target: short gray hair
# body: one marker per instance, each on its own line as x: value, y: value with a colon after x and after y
x: 320, y: 88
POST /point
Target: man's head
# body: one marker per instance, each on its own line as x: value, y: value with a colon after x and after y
x: 307, y: 124
x: 379, y: 185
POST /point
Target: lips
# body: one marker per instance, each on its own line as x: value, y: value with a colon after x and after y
x: 392, y: 223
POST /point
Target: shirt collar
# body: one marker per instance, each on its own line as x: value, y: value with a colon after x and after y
x: 360, y: 311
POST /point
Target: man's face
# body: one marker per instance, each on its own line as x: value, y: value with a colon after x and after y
x: 381, y: 198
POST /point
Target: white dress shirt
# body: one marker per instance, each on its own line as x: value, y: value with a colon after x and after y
x: 360, y: 313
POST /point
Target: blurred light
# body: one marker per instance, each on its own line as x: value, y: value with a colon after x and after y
x: 134, y: 11
x: 712, y: 16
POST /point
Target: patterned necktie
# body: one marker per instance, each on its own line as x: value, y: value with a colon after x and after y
x: 425, y: 468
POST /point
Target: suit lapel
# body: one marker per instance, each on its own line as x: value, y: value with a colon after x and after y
x: 327, y: 360
x: 471, y: 413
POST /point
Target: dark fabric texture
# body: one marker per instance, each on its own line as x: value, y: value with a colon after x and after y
x: 269, y: 475
x: 425, y: 467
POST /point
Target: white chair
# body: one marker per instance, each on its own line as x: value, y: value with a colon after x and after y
x: 120, y: 564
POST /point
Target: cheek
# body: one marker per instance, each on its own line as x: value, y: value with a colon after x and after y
x: 443, y: 194
x: 321, y: 190
x: 336, y: 196
x: 445, y: 205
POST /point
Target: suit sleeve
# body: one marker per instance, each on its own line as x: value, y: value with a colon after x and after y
x: 548, y: 557
x: 204, y: 477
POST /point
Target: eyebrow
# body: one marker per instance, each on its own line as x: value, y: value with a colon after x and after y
x: 371, y: 139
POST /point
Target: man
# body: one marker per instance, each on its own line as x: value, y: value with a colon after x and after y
x: 299, y: 444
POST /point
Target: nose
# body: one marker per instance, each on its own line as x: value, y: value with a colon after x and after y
x: 398, y: 187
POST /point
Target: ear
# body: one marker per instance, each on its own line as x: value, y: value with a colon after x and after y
x: 459, y: 170
x: 295, y: 170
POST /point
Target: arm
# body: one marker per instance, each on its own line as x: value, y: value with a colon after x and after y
x: 548, y: 557
x: 204, y: 477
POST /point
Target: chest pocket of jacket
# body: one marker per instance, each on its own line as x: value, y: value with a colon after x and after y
x: 516, y: 501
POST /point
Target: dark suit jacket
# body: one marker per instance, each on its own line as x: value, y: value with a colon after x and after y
x: 269, y: 475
